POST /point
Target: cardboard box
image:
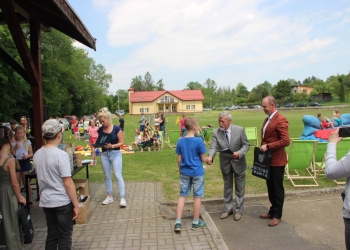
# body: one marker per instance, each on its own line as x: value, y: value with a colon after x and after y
x: 84, y: 211
x: 82, y: 186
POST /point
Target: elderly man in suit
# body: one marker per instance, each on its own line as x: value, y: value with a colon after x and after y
x: 233, y: 164
x: 275, y: 137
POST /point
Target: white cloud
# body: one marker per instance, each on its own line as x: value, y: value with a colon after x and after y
x: 196, y: 35
x: 101, y: 3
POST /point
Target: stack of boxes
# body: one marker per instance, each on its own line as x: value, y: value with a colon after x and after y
x: 82, y: 188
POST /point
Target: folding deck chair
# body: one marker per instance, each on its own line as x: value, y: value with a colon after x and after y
x: 320, y: 157
x: 207, y: 136
x: 174, y: 137
x: 252, y: 135
x: 301, y: 157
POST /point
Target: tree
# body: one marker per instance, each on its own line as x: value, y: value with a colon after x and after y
x: 136, y: 83
x: 194, y: 85
x: 282, y: 90
x: 242, y: 91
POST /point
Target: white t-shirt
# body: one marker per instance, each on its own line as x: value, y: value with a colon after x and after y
x: 51, y: 164
x: 21, y: 150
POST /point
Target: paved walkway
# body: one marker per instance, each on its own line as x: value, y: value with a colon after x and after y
x: 141, y: 225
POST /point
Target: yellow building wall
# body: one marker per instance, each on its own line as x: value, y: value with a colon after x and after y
x: 308, y: 89
x: 153, y: 107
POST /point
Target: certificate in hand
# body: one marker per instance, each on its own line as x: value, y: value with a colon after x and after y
x: 226, y: 151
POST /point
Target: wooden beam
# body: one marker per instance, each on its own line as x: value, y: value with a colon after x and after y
x: 13, y: 63
x: 20, y: 18
x: 16, y: 31
x: 37, y: 90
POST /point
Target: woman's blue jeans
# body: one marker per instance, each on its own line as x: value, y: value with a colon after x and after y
x: 112, y: 160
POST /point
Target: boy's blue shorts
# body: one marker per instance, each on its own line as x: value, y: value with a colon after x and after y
x: 186, y: 183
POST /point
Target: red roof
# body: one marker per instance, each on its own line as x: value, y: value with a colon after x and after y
x: 150, y: 96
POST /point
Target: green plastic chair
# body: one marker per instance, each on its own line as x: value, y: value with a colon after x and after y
x: 301, y: 157
x: 174, y: 137
x: 252, y: 135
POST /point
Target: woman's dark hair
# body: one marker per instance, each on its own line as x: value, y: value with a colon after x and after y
x: 6, y: 135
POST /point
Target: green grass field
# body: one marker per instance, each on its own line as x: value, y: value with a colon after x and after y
x: 162, y: 166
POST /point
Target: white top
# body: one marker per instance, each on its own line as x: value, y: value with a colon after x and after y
x: 268, y: 121
x: 51, y: 164
x: 339, y: 169
x: 21, y: 150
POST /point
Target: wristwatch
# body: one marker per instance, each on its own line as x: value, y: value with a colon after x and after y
x: 112, y: 145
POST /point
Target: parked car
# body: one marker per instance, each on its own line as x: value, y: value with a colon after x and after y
x: 213, y: 108
x: 206, y: 109
x: 289, y: 105
x: 244, y: 107
x: 234, y: 107
x: 254, y: 106
x: 302, y: 104
x: 314, y: 104
x: 119, y: 112
x: 71, y: 118
x: 65, y: 123
x: 278, y: 105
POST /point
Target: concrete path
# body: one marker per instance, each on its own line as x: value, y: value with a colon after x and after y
x: 311, y: 220
x: 141, y: 225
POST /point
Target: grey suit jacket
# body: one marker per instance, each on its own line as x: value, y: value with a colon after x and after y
x: 238, y: 143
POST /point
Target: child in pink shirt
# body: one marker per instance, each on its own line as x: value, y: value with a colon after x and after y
x: 92, y: 132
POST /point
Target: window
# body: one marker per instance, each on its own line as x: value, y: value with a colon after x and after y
x: 173, y: 107
x: 167, y: 99
x: 144, y: 110
x: 160, y: 108
x: 305, y: 91
x: 193, y: 106
x: 188, y: 106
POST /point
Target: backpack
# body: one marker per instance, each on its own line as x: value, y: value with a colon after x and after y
x: 26, y: 224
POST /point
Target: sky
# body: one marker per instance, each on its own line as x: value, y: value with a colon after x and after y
x: 228, y: 41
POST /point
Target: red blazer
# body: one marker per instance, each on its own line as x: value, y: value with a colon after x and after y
x: 277, y: 136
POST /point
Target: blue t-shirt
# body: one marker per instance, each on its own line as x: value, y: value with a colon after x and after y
x: 191, y: 149
x: 114, y: 139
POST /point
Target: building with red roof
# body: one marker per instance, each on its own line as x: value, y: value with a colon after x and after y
x: 165, y: 101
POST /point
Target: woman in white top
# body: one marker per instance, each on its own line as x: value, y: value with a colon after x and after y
x: 156, y: 122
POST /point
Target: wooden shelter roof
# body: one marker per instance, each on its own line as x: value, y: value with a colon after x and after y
x: 42, y: 15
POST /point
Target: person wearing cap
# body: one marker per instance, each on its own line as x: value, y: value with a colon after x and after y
x: 57, y: 190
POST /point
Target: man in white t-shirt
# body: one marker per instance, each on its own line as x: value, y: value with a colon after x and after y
x: 57, y: 190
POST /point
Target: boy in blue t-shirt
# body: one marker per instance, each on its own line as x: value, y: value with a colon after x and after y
x: 191, y: 150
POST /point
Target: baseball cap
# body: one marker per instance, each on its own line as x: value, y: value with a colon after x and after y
x: 50, y: 128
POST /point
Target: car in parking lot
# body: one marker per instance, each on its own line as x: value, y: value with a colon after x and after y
x: 289, y: 105
x: 314, y: 104
x: 234, y: 107
x: 303, y: 104
x: 119, y: 112
x: 254, y: 106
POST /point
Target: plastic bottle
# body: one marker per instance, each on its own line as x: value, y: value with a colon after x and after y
x: 97, y: 152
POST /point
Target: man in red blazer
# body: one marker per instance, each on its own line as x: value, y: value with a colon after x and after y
x: 275, y: 137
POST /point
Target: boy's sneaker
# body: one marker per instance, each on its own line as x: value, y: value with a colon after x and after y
x: 200, y: 224
x: 107, y: 200
x: 122, y: 202
x: 177, y: 227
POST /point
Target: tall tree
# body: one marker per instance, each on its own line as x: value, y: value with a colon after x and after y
x: 194, y: 85
x: 282, y: 90
x: 242, y: 91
